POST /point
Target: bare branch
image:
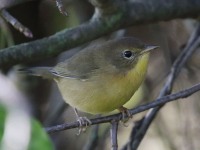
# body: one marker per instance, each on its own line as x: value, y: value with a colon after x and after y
x: 16, y: 24
x: 119, y: 14
x: 61, y: 7
x: 158, y: 102
x: 113, y: 134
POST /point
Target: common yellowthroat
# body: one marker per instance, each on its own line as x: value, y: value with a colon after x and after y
x: 101, y: 78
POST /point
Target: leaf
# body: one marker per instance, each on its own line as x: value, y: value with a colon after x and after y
x: 39, y: 138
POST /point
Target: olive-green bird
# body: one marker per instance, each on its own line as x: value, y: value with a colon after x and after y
x: 101, y: 78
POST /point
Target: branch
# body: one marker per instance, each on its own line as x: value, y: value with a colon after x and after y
x: 16, y: 24
x: 158, y: 102
x: 113, y: 134
x: 191, y: 46
x: 61, y: 7
x: 119, y: 14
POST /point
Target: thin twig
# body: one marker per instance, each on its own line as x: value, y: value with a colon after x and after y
x: 181, y: 94
x: 191, y: 46
x: 113, y: 134
x: 189, y: 49
x: 16, y: 24
x: 61, y: 7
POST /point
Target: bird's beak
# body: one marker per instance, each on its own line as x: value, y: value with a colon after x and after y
x: 148, y: 49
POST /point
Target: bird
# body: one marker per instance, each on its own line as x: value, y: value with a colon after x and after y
x: 102, y: 77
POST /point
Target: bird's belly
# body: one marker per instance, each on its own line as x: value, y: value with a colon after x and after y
x: 94, y: 97
x: 102, y: 95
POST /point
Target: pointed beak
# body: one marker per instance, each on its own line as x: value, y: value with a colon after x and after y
x: 148, y: 49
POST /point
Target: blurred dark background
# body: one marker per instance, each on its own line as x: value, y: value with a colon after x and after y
x: 176, y: 126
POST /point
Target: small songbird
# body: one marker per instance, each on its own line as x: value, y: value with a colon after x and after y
x: 101, y: 78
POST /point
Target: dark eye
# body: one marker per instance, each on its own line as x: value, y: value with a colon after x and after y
x: 128, y: 54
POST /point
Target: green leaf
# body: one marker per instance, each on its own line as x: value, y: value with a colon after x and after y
x: 2, y: 121
x: 39, y: 138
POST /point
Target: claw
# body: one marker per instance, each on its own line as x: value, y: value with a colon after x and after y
x: 84, y: 122
x: 125, y: 112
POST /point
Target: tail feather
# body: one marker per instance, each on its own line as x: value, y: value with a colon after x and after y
x: 38, y: 71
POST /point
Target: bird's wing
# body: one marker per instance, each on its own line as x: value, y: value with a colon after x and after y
x: 77, y: 67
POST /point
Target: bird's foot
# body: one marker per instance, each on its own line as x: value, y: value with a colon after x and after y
x: 84, y: 122
x: 126, y: 115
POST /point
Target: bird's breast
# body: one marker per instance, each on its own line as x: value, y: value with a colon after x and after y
x: 103, y: 93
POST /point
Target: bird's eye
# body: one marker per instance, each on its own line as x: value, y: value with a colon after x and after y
x: 128, y: 54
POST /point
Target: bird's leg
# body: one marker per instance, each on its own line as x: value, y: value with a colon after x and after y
x: 82, y: 121
x: 124, y: 112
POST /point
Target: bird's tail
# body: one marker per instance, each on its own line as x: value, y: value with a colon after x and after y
x: 38, y: 71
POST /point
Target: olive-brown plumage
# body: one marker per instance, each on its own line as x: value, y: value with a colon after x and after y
x: 101, y: 78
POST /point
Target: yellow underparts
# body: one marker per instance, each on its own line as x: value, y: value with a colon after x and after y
x: 104, y: 94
